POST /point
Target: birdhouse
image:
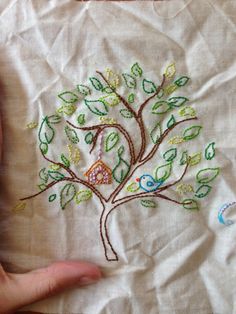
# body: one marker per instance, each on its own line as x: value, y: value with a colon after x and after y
x: 99, y: 173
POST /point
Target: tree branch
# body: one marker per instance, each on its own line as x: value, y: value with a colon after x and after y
x: 162, y: 137
x: 101, y: 127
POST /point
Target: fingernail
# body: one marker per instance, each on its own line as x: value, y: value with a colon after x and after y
x: 87, y: 280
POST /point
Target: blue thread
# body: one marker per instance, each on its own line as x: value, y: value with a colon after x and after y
x: 221, y: 212
x: 148, y: 183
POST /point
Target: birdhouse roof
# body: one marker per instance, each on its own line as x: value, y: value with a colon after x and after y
x: 97, y: 164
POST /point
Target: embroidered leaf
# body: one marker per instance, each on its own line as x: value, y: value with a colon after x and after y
x: 83, y: 89
x: 184, y: 158
x: 184, y: 188
x: 82, y: 196
x: 54, y: 119
x: 65, y: 161
x: 97, y: 107
x: 96, y: 83
x: 156, y: 133
x: 67, y: 194
x: 207, y: 175
x: 81, y: 119
x: 89, y: 138
x: 203, y: 190
x: 107, y: 90
x: 112, y: 78
x: 177, y: 101
x: 43, y: 174
x: 191, y: 133
x: 121, y: 170
x: 126, y: 113
x: 160, y: 107
x: 210, y: 151
x: 170, y: 89
x: 131, y: 98
x: 19, y: 207
x: 161, y: 93
x: 52, y: 197
x: 176, y: 140
x: 55, y: 175
x: 136, y: 70
x: 72, y: 135
x: 32, y: 125
x: 148, y: 203
x: 42, y: 186
x: 46, y: 132
x: 149, y: 87
x: 187, y: 111
x: 182, y: 81
x: 171, y: 121
x: 44, y: 148
x: 163, y: 172
x: 170, y: 71
x: 170, y: 154
x: 111, y: 141
x: 68, y: 97
x: 110, y: 100
x: 130, y: 81
x: 195, y: 159
x: 67, y: 109
x: 190, y: 204
x: 133, y: 187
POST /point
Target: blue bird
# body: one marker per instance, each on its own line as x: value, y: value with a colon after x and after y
x: 148, y: 183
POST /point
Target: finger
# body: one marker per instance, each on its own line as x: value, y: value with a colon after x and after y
x: 42, y: 283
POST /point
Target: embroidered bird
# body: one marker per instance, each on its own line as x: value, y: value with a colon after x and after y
x: 148, y: 183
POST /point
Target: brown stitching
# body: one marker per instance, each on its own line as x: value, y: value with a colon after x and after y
x: 101, y: 127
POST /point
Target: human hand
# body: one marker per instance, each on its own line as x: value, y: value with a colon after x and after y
x: 17, y: 290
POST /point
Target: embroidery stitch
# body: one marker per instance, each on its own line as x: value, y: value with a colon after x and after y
x: 32, y: 125
x: 133, y: 153
x: 210, y: 151
x: 221, y: 212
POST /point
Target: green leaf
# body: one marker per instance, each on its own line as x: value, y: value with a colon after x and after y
x: 67, y: 194
x: 156, y: 133
x: 55, y: 175
x: 89, y: 138
x: 72, y: 135
x: 81, y: 119
x: 149, y: 87
x: 126, y: 113
x: 210, y: 151
x: 97, y: 107
x: 192, y: 132
x: 133, y: 187
x: 111, y: 141
x: 46, y: 132
x: 136, y: 70
x: 110, y: 100
x: 54, y: 119
x: 170, y: 154
x: 187, y: 111
x: 184, y: 158
x: 44, y: 148
x: 203, y: 190
x: 107, y: 90
x: 190, y: 204
x: 160, y: 107
x: 122, y: 168
x: 52, y: 197
x: 177, y: 101
x: 65, y: 161
x: 182, y: 81
x: 83, y: 89
x: 43, y: 174
x: 171, y: 121
x: 148, y: 203
x: 96, y: 83
x: 68, y: 97
x: 195, y: 159
x: 42, y: 187
x: 163, y: 172
x: 130, y: 81
x: 131, y: 98
x: 207, y: 175
x: 82, y: 196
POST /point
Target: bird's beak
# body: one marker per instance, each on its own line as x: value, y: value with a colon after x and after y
x: 137, y: 179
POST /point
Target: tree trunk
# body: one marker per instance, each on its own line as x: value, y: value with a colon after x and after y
x: 109, y: 251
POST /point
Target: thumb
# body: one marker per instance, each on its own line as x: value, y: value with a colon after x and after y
x: 20, y: 290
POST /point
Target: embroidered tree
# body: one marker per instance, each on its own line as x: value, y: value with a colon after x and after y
x: 153, y: 113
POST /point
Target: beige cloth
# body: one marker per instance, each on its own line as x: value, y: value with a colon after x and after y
x: 171, y: 260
